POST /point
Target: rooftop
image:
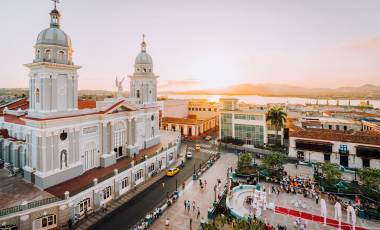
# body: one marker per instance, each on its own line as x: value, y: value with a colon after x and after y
x: 361, y: 137
x: 14, y: 190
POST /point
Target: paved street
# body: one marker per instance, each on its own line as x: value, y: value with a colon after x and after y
x: 128, y: 214
x: 179, y: 218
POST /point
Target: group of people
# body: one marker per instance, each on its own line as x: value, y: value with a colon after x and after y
x: 195, y: 208
x: 297, y: 185
x: 149, y: 218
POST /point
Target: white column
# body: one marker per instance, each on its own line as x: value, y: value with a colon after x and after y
x: 104, y: 138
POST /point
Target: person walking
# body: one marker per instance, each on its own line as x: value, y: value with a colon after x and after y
x: 205, y: 182
x: 198, y: 213
x: 167, y: 223
x: 185, y: 204
x: 191, y: 223
x: 193, y: 206
x: 316, y: 199
x: 188, y: 207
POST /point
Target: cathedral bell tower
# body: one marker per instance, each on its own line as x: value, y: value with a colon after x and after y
x: 53, y: 78
x: 143, y: 81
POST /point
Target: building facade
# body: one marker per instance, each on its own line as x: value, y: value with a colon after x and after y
x: 248, y: 125
x: 54, y: 140
x: 182, y: 116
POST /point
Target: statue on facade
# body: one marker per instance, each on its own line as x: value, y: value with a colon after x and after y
x: 119, y: 85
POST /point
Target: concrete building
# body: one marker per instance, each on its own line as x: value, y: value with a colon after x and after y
x: 182, y: 116
x: 331, y: 123
x: 202, y: 108
x: 350, y: 147
x: 55, y: 139
x: 248, y: 125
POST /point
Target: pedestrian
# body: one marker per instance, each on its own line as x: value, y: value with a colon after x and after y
x: 163, y: 185
x: 198, y: 213
x: 205, y: 182
x: 185, y: 204
x: 193, y: 206
x: 316, y: 199
x: 188, y: 207
x: 167, y: 222
x: 191, y: 223
x: 183, y: 185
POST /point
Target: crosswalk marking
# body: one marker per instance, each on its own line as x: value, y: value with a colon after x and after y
x: 203, y: 150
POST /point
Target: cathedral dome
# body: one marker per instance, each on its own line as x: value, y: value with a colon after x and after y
x: 53, y: 36
x: 143, y: 58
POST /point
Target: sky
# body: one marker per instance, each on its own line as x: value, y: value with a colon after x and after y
x: 202, y: 44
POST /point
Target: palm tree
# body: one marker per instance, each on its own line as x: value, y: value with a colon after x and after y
x: 277, y: 117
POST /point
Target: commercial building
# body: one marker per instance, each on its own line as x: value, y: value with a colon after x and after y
x: 248, y: 125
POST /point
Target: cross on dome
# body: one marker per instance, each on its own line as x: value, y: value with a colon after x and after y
x: 55, y: 3
x: 143, y: 44
x: 55, y: 15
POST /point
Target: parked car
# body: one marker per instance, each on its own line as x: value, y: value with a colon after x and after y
x: 208, y: 138
x: 197, y: 147
x: 172, y: 171
x: 189, y: 155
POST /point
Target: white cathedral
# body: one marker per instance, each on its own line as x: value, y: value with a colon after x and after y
x: 54, y: 140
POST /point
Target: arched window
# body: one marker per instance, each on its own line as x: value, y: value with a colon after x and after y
x: 63, y: 159
x: 152, y: 131
x: 38, y: 54
x: 48, y: 54
x: 138, y: 93
x: 37, y: 95
x: 61, y: 55
x: 144, y: 70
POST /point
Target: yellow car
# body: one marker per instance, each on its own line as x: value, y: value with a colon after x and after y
x: 172, y: 171
x: 197, y: 147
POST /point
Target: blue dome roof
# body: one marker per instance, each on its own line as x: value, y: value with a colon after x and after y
x: 143, y: 58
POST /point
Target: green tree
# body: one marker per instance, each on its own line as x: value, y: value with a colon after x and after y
x: 245, y: 161
x: 370, y: 177
x: 331, y: 173
x: 277, y: 117
x: 274, y: 161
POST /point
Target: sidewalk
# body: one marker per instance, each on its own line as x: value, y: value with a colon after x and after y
x: 93, y: 218
x: 178, y: 216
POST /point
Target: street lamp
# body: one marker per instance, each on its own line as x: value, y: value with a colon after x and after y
x: 214, y: 193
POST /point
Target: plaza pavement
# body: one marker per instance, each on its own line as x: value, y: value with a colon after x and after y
x: 180, y: 219
x: 178, y: 216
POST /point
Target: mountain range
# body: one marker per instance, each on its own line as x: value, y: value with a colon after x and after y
x: 359, y: 92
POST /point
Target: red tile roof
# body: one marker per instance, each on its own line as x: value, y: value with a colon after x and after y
x: 86, y: 104
x: 361, y: 137
x: 4, y: 133
x: 79, y: 115
x: 14, y: 119
x: 22, y: 103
